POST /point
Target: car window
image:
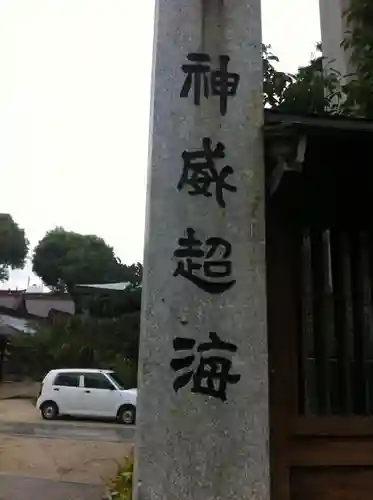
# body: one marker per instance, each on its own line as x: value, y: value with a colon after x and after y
x: 117, y: 380
x: 67, y: 379
x: 97, y: 381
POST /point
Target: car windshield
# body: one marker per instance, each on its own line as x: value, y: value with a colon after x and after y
x: 119, y: 382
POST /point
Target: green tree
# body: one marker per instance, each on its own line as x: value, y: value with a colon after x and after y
x: 135, y: 274
x: 110, y: 343
x: 313, y: 89
x: 13, y: 252
x: 107, y: 303
x: 63, y: 259
x: 13, y: 246
x: 358, y: 43
x: 275, y: 82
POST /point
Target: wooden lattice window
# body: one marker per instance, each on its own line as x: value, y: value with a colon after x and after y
x: 337, y: 322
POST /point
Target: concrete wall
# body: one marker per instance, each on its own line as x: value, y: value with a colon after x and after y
x: 10, y: 300
x: 40, y: 306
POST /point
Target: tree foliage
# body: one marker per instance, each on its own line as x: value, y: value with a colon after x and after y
x: 63, y: 259
x: 107, y: 303
x: 317, y: 88
x: 121, y: 485
x: 110, y: 343
x: 275, y: 82
x: 13, y: 246
x: 313, y: 89
x: 358, y: 43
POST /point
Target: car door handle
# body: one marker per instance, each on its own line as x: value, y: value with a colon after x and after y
x: 56, y: 389
x: 88, y: 392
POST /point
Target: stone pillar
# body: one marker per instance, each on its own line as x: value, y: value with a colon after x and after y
x: 202, y: 425
x: 333, y: 27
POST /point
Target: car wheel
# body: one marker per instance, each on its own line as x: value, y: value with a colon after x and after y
x: 49, y: 410
x: 127, y: 415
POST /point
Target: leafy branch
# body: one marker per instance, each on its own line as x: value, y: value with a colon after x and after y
x: 313, y: 89
x: 358, y: 43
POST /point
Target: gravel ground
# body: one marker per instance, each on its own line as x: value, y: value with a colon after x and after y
x: 63, y: 459
x: 25, y: 389
x: 24, y: 488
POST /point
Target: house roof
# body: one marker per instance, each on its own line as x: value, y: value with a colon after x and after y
x: 108, y: 286
x: 10, y: 325
x: 39, y: 289
x: 335, y: 122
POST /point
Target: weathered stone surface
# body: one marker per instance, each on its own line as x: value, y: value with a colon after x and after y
x: 191, y: 445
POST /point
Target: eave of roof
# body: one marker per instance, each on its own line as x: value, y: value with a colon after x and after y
x: 331, y: 122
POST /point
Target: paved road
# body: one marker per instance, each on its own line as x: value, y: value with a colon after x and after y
x: 92, y: 431
x: 29, y: 488
x: 25, y: 488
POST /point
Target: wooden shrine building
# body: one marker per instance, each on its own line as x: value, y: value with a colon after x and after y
x: 320, y: 306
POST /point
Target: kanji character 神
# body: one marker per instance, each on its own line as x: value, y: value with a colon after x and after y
x: 221, y: 83
x: 212, y: 374
x: 200, y: 172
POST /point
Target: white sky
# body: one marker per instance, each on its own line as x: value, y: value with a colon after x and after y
x: 74, y: 108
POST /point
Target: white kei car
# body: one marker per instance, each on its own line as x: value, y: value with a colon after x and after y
x: 86, y: 392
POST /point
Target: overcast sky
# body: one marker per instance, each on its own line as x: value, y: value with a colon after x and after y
x: 74, y: 108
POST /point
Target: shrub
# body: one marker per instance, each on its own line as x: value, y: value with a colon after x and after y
x: 120, y: 486
x: 108, y: 343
